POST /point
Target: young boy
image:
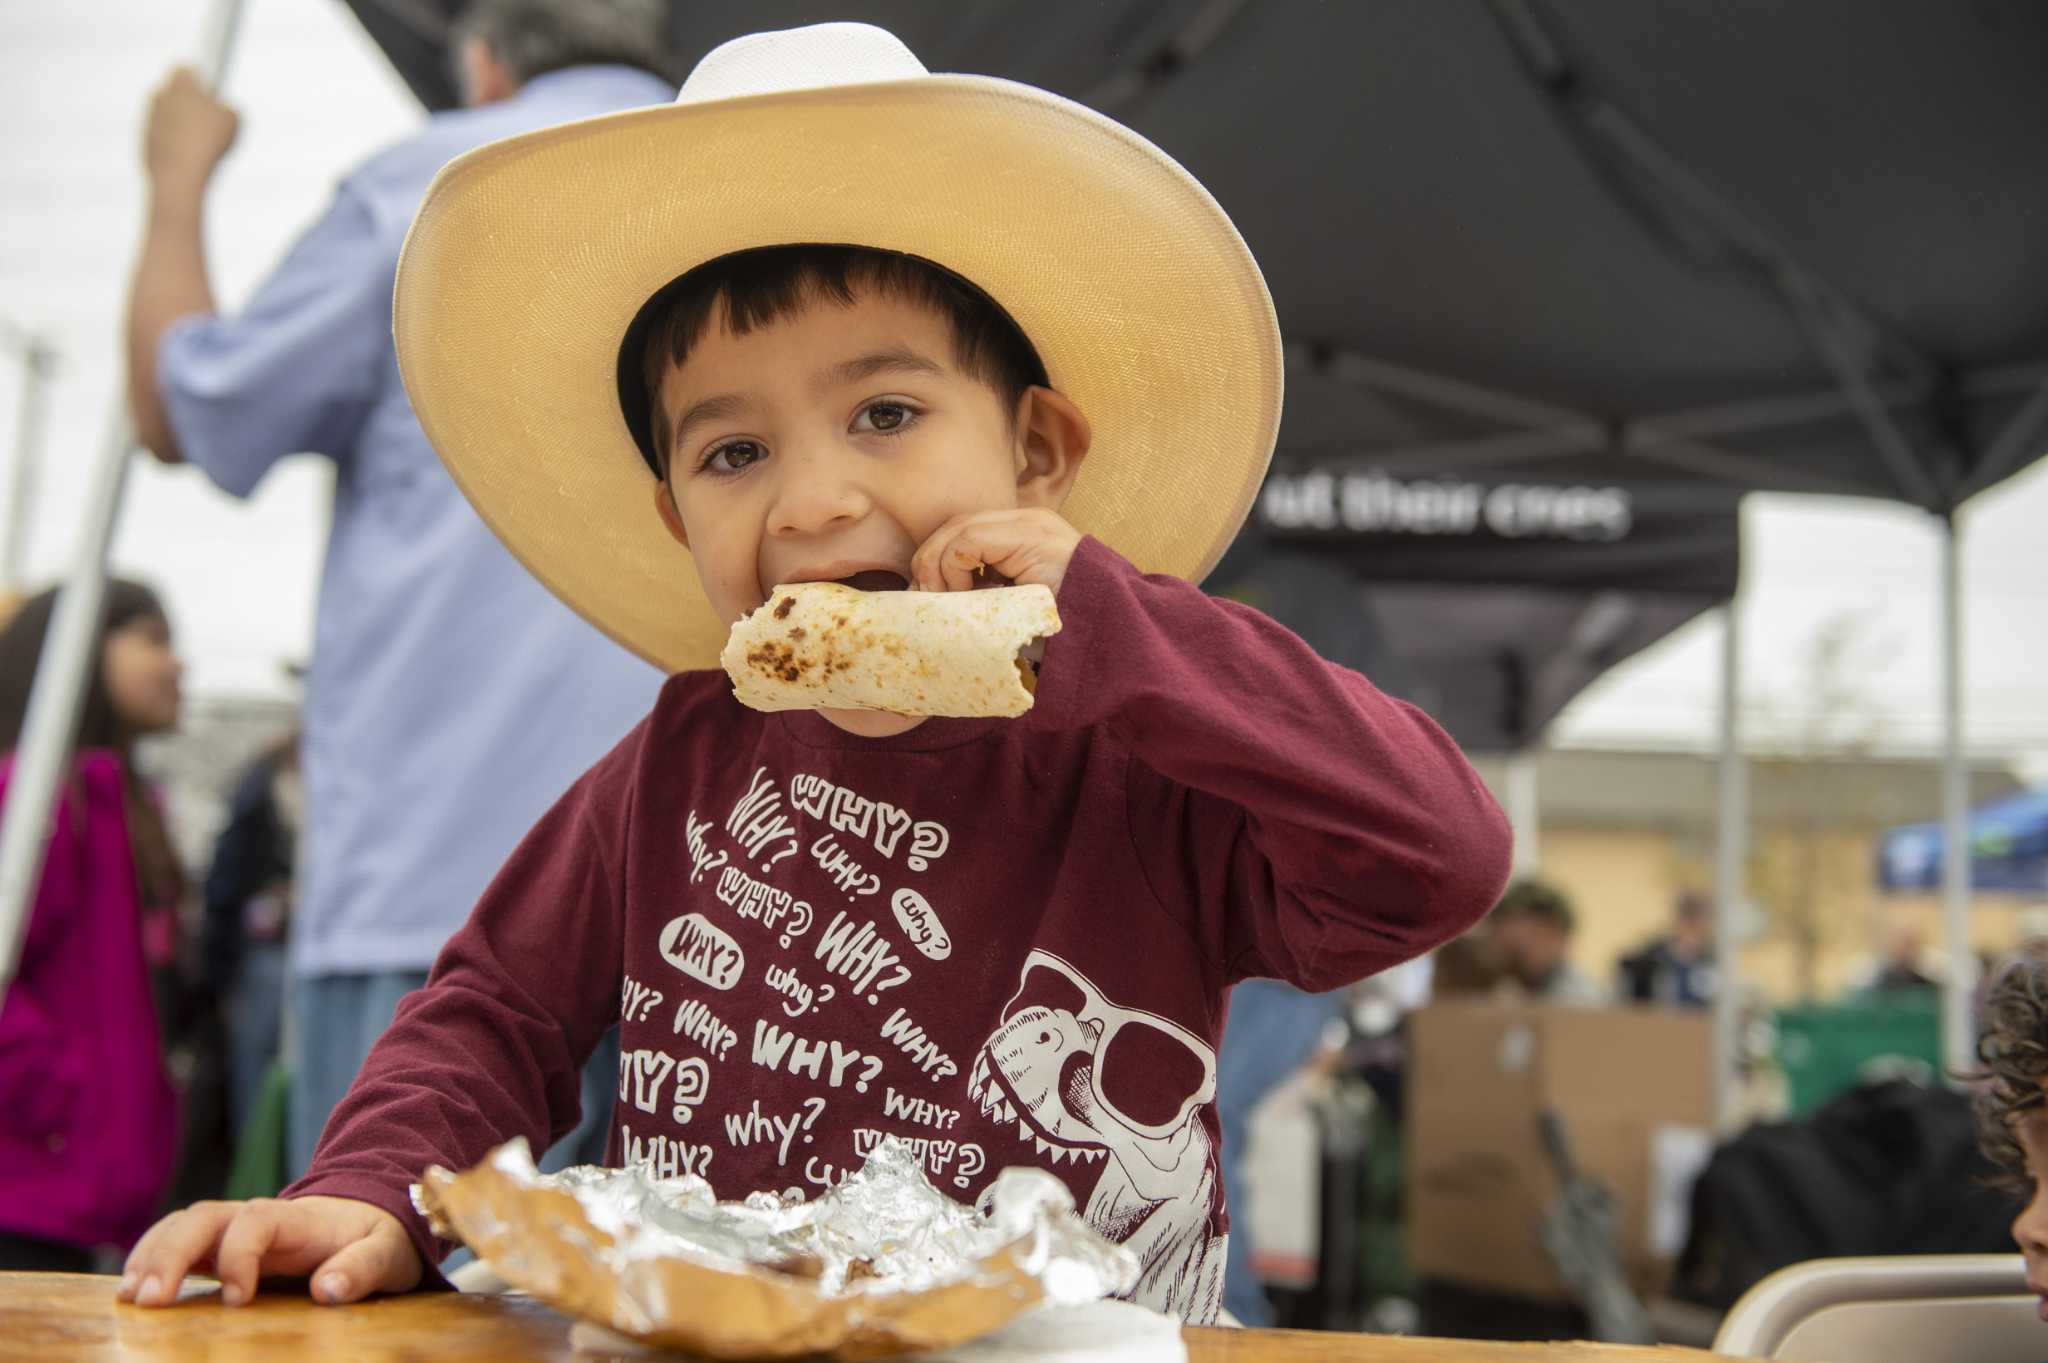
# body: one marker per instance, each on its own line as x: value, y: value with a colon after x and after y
x: 2012, y: 1105
x: 1032, y: 351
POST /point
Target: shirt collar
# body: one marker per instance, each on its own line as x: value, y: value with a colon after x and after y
x: 551, y: 86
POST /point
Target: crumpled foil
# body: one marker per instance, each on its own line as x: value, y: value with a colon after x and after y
x: 883, y: 1264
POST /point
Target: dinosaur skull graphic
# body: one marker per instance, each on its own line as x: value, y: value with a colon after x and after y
x: 1088, y: 1080
x: 1081, y: 1076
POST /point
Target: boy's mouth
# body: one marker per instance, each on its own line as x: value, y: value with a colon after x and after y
x: 862, y: 577
x: 875, y: 580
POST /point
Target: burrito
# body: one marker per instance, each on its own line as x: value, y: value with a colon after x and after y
x: 823, y: 645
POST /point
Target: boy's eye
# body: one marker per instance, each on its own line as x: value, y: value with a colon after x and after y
x: 884, y: 417
x: 732, y: 456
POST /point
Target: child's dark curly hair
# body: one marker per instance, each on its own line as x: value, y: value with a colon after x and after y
x: 2012, y: 1045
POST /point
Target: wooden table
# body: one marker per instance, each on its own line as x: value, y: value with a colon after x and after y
x: 73, y: 1318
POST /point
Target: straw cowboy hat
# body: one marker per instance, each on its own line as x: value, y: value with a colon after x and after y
x: 531, y: 257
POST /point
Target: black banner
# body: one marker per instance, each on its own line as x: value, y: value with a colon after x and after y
x: 1489, y: 602
x: 1638, y: 536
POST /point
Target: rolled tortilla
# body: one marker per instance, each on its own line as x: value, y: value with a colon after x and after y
x: 820, y: 645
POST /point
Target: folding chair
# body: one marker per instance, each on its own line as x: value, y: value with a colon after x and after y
x: 1958, y: 1308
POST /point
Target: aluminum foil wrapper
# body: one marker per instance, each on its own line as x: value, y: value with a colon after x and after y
x: 883, y: 1264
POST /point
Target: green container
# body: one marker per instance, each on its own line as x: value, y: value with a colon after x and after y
x: 1828, y: 1049
x: 259, y: 1168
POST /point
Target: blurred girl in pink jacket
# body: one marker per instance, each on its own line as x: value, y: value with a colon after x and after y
x: 88, y: 1120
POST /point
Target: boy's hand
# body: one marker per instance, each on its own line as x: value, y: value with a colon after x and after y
x: 1025, y: 546
x: 350, y: 1248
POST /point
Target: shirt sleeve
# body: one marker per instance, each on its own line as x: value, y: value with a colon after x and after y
x: 1304, y: 825
x: 297, y: 369
x: 493, y: 1046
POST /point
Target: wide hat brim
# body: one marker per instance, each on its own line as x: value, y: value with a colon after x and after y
x: 530, y: 258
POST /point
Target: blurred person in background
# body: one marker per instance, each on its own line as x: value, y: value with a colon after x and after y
x: 1270, y: 1032
x: 1464, y: 968
x: 1676, y: 970
x: 1902, y: 970
x: 88, y: 1117
x: 248, y: 896
x: 434, y: 652
x: 1529, y: 935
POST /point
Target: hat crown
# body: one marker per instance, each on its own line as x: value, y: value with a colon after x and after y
x: 815, y: 57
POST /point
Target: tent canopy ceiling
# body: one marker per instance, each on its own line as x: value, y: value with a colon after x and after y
x: 1795, y: 248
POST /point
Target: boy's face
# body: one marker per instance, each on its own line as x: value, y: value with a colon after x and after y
x: 828, y: 446
x: 2030, y: 1230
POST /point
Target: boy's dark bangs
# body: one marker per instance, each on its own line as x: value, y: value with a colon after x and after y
x: 636, y: 404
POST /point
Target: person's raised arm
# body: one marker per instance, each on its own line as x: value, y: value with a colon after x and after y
x: 187, y: 134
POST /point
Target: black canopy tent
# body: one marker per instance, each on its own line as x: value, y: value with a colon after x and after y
x: 1501, y: 597
x: 1721, y: 246
x: 1490, y: 602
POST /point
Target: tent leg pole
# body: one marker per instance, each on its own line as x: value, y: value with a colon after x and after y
x: 1958, y: 1042
x: 1730, y: 855
x: 1524, y: 810
x: 65, y: 666
x: 63, y: 672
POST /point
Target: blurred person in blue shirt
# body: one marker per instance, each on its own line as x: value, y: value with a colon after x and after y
x: 1677, y: 969
x: 434, y: 653
x: 1271, y: 1031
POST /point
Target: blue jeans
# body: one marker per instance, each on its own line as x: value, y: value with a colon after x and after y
x: 339, y: 1017
x: 255, y: 1026
x: 1271, y: 1032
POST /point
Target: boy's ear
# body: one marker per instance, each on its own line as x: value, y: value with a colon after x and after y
x: 1052, y: 440
x: 665, y: 507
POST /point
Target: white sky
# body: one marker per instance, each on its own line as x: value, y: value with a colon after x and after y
x: 315, y: 97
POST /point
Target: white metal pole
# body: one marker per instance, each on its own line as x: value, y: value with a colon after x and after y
x: 62, y: 674
x: 1731, y: 852
x: 63, y: 671
x: 38, y: 362
x: 217, y: 46
x: 1958, y: 1043
x: 1524, y: 809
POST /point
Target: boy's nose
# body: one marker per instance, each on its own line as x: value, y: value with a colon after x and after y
x: 816, y: 492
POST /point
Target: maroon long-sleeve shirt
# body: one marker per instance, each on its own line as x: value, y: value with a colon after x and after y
x: 1008, y: 941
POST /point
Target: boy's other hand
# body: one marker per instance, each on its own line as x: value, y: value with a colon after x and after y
x: 188, y: 131
x: 351, y: 1249
x: 1023, y: 546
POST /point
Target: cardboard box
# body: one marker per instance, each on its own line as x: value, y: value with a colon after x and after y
x: 1634, y: 1088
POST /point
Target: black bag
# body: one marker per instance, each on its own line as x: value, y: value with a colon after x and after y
x: 1888, y: 1168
